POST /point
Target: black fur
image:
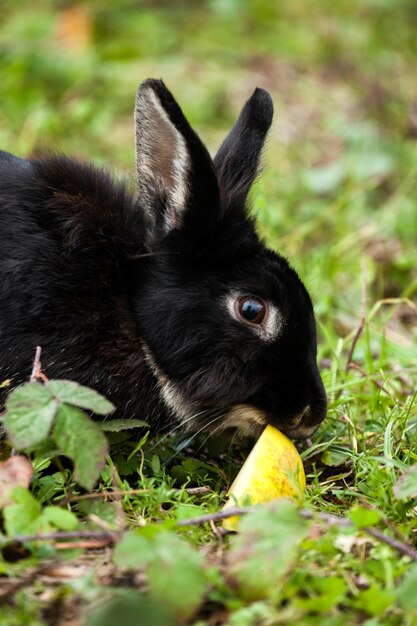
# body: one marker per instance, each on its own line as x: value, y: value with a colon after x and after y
x: 94, y: 275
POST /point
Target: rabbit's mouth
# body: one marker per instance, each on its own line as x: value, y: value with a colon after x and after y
x: 300, y: 426
x: 252, y: 420
x: 245, y: 417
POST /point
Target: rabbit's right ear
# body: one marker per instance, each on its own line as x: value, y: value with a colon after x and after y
x: 177, y: 184
x: 237, y: 160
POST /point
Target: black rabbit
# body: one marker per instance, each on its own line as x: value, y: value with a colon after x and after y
x: 166, y: 302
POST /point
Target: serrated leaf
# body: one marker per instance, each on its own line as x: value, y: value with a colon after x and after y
x: 176, y: 574
x: 30, y: 411
x: 72, y: 393
x: 363, y: 517
x: 115, y: 426
x: 266, y: 548
x: 83, y: 442
x: 23, y: 515
x: 406, y: 486
x: 60, y: 518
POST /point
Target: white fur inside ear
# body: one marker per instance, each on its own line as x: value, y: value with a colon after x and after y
x: 162, y: 158
x: 269, y: 329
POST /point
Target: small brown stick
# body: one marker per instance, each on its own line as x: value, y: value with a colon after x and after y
x: 115, y: 494
x: 37, y: 368
x: 333, y: 520
x: 362, y: 318
x: 400, y: 546
x: 113, y: 537
x: 213, y: 517
x: 198, y: 491
x: 87, y: 545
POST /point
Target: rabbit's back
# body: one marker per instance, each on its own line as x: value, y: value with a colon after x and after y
x: 62, y: 276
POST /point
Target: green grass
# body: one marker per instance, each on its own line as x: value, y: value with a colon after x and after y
x: 338, y: 197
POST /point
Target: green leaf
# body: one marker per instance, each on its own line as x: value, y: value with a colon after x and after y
x: 406, y: 592
x: 156, y: 464
x: 176, y: 575
x: 266, y: 548
x: 115, y: 426
x: 375, y: 600
x: 174, y: 569
x: 362, y: 517
x: 134, y: 551
x: 187, y: 510
x: 60, y: 518
x: 30, y: 411
x: 335, y: 456
x: 406, y: 486
x: 126, y: 607
x: 23, y: 515
x: 106, y: 511
x: 83, y: 442
x: 72, y: 393
x: 323, y: 594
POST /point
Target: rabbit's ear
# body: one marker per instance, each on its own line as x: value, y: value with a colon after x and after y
x: 176, y: 177
x: 237, y: 160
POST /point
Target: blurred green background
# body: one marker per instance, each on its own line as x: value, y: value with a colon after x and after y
x: 340, y: 182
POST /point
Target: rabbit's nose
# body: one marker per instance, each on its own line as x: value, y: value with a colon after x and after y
x: 305, y: 423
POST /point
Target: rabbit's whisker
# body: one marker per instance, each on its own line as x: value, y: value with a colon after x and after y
x: 193, y: 436
x: 181, y: 424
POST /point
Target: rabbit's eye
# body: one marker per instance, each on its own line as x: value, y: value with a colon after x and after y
x: 252, y: 310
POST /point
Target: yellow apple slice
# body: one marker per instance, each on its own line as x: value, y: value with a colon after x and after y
x: 272, y: 470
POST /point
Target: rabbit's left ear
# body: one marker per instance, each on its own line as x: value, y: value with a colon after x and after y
x: 176, y: 178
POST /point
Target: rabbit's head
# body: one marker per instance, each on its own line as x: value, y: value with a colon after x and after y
x: 227, y: 325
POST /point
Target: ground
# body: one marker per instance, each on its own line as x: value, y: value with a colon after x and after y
x: 338, y: 198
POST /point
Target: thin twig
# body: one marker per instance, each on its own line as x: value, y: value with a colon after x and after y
x: 362, y: 318
x: 400, y: 546
x: 115, y: 494
x: 93, y: 544
x: 333, y: 520
x: 218, y: 516
x: 112, y: 537
x: 198, y: 491
x: 36, y: 369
